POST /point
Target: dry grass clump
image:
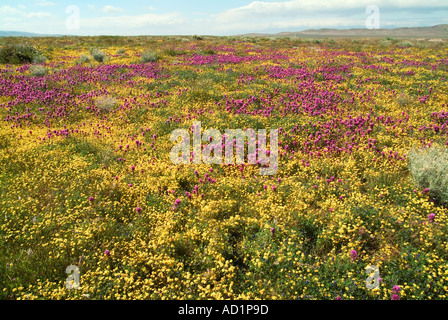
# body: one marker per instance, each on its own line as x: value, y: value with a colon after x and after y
x: 106, y: 103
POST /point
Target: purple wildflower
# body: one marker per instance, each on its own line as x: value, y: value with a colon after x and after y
x: 431, y: 217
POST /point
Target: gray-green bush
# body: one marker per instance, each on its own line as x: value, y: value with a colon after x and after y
x: 429, y: 168
x: 149, y: 56
x: 405, y: 44
x: 98, y: 55
x: 38, y: 71
x: 84, y: 58
x: 385, y: 43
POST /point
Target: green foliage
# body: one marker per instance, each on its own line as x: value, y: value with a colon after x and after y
x: 98, y: 55
x: 84, y: 58
x: 39, y: 59
x: 405, y: 44
x: 172, y: 52
x: 149, y: 56
x: 428, y: 168
x: 385, y: 43
x: 18, y: 54
x: 206, y: 52
x: 38, y: 71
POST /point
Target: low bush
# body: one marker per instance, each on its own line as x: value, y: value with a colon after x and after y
x: 428, y: 168
x: 98, y: 55
x: 38, y: 71
x: 84, y: 58
x: 18, y: 54
x: 405, y: 44
x: 149, y: 56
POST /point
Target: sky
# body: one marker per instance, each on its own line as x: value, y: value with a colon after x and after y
x: 213, y: 17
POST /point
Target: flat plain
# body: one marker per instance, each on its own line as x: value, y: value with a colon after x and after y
x: 86, y: 178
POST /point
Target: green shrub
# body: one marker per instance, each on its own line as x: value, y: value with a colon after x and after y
x: 169, y: 52
x: 98, y: 55
x: 429, y: 169
x: 385, y: 43
x: 196, y: 37
x: 405, y: 44
x: 38, y: 71
x: 173, y: 52
x: 18, y: 54
x: 121, y: 51
x: 39, y: 59
x: 84, y: 58
x: 149, y: 56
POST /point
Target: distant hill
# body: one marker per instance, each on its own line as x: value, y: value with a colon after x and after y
x: 24, y: 34
x: 436, y: 32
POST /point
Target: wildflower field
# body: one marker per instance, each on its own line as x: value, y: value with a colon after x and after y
x: 86, y: 178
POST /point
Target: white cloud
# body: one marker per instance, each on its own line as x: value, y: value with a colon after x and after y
x: 12, y: 17
x: 44, y: 3
x: 258, y: 16
x: 38, y: 15
x: 291, y: 24
x: 292, y: 15
x: 7, y: 10
x: 303, y: 8
x: 134, y: 21
x: 111, y: 9
x: 10, y: 20
x: 132, y: 25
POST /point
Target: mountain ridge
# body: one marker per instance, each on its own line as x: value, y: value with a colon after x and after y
x: 437, y: 31
x: 25, y: 34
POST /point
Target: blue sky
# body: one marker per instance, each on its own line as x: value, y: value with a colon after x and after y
x: 211, y: 17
